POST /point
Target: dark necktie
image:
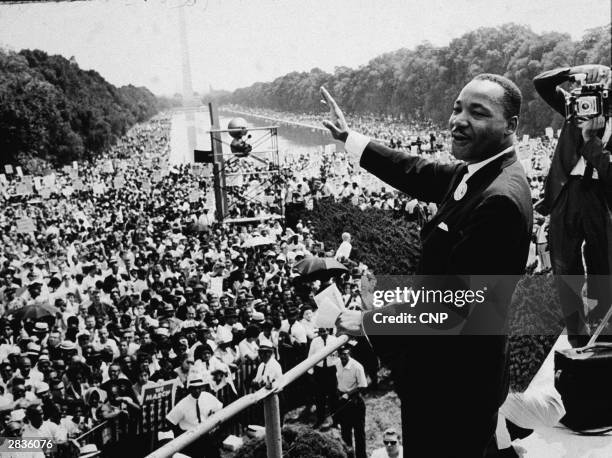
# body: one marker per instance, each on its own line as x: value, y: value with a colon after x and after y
x: 198, y: 411
x: 588, y: 172
x: 324, y: 359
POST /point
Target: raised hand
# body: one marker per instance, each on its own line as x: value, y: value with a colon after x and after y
x: 349, y: 322
x: 594, y: 73
x: 336, y: 124
x: 590, y: 127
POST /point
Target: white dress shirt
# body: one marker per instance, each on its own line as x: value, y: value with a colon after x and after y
x: 248, y: 350
x: 268, y: 372
x: 317, y: 345
x: 184, y: 414
x: 298, y: 331
x: 580, y: 167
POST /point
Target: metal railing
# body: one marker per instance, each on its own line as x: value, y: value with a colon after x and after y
x: 271, y: 409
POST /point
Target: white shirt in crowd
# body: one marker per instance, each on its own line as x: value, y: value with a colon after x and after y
x: 317, y: 344
x: 184, y: 414
x: 297, y: 331
x: 248, y: 350
x: 350, y: 376
x: 268, y: 372
x: 344, y: 250
x: 382, y: 452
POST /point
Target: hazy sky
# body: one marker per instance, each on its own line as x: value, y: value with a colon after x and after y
x: 234, y: 43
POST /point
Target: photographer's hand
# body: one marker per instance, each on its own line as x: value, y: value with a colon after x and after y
x: 337, y: 126
x: 594, y: 73
x: 590, y: 127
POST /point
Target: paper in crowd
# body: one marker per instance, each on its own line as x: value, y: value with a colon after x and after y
x: 330, y: 305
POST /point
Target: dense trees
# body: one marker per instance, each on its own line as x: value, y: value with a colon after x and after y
x: 424, y: 81
x: 52, y: 110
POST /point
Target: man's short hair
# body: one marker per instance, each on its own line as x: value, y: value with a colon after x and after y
x: 512, y: 98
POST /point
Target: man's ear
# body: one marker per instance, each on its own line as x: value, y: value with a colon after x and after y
x: 512, y: 125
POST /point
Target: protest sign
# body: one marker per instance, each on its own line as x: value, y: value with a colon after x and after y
x: 157, y: 401
x: 25, y: 225
x: 118, y: 182
x: 44, y: 192
x: 8, y: 168
x: 330, y: 305
x: 98, y: 188
x: 216, y: 285
x: 235, y: 180
x: 549, y: 132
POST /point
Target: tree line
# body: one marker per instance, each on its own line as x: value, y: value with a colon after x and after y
x: 422, y: 83
x: 53, y: 112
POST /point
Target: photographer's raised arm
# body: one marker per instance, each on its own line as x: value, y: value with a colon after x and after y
x: 420, y: 178
x: 547, y: 83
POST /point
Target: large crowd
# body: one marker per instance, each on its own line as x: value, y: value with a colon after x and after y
x: 115, y: 275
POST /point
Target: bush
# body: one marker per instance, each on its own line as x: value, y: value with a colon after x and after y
x: 298, y: 442
x: 394, y: 251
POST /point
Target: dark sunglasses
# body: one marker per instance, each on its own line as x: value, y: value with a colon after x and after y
x: 389, y: 442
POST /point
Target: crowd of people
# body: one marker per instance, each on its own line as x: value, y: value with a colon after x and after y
x: 115, y: 274
x: 337, y: 175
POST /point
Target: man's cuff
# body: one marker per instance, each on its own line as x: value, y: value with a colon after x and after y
x: 356, y: 143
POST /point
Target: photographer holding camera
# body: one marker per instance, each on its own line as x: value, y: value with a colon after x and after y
x: 577, y: 192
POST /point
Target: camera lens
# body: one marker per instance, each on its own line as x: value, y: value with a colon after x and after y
x: 585, y: 105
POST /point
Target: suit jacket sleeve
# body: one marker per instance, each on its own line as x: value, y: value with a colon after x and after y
x: 593, y: 151
x: 489, y: 245
x: 418, y: 177
x: 547, y: 86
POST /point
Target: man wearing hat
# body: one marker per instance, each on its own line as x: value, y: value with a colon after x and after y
x: 174, y: 324
x: 269, y: 370
x: 225, y: 332
x: 41, y: 330
x: 191, y: 411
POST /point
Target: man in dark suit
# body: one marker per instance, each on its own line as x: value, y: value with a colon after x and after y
x: 452, y: 386
x: 578, y: 198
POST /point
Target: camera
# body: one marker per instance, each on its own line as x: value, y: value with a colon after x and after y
x: 588, y: 101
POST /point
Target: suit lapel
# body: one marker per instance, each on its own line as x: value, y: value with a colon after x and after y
x: 475, y: 185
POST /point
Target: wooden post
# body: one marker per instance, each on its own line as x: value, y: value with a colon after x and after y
x: 274, y: 443
x: 218, y: 164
